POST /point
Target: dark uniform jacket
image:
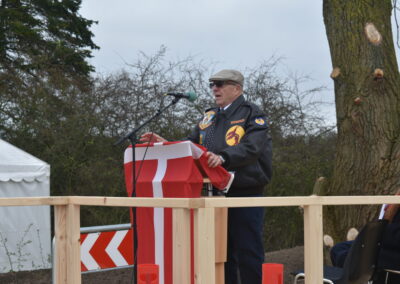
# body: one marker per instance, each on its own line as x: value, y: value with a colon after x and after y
x: 240, y: 136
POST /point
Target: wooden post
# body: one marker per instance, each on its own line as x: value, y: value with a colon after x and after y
x: 313, y: 248
x: 60, y: 215
x: 181, y: 245
x: 73, y: 244
x: 204, y: 246
x: 221, y: 232
x: 67, y: 244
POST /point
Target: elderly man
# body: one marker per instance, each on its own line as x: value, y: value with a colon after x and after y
x: 236, y: 136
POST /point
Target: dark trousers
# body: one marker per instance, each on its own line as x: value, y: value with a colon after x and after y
x: 339, y: 253
x: 245, y: 245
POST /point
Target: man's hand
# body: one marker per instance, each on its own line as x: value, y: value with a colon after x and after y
x: 213, y: 160
x: 151, y: 137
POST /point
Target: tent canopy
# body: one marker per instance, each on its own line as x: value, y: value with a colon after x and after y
x: 25, y: 240
x: 17, y: 165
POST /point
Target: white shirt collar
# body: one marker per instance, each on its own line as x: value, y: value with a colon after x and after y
x: 225, y: 107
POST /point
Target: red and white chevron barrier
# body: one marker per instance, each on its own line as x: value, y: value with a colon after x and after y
x: 106, y: 250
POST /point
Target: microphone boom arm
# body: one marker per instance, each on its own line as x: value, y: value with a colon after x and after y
x: 132, y: 133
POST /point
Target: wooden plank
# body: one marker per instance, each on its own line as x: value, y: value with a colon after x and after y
x: 181, y: 245
x: 297, y: 201
x: 132, y: 202
x: 33, y: 201
x: 220, y: 273
x: 73, y: 244
x: 313, y: 248
x: 260, y: 201
x: 221, y: 234
x: 199, y: 202
x: 361, y: 200
x: 204, y: 246
x: 60, y: 252
x: 221, y: 238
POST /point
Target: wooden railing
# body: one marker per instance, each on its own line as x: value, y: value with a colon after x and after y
x: 67, y: 228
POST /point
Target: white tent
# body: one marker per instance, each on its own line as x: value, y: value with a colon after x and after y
x: 25, y: 242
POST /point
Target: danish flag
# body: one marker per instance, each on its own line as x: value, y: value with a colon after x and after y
x: 169, y: 169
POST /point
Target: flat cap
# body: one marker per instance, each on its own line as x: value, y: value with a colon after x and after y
x: 228, y: 75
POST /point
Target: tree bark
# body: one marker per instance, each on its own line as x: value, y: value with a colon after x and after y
x: 367, y: 92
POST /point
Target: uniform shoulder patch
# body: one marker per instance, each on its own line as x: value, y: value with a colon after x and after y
x: 207, y: 119
x: 234, y: 135
x: 259, y: 120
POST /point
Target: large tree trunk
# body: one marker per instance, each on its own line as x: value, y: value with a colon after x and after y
x: 367, y: 93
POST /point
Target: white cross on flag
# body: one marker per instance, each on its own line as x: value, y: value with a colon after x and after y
x: 169, y: 169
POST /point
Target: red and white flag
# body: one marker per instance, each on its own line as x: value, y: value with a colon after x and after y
x: 166, y: 169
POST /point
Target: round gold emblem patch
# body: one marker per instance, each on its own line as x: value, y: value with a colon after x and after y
x: 233, y: 135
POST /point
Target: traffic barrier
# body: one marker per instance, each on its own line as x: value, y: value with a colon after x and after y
x: 104, y: 250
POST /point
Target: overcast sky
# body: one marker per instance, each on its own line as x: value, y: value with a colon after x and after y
x: 234, y: 33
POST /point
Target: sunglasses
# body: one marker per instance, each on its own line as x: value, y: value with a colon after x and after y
x: 220, y: 84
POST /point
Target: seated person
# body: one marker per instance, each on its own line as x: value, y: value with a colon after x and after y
x: 389, y: 255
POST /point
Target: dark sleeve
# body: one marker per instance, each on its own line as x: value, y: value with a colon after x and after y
x: 391, y: 237
x: 255, y: 142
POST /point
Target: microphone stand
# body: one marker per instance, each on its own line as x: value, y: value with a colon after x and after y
x: 131, y: 136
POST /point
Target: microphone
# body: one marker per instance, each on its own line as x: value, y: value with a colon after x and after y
x: 191, y: 96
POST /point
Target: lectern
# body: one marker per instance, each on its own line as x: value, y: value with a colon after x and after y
x: 172, y: 169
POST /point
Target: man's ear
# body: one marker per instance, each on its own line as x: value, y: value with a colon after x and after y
x: 239, y: 89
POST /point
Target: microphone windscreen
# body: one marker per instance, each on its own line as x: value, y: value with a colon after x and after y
x: 191, y: 96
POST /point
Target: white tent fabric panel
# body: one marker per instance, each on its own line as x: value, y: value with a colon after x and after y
x: 25, y: 241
